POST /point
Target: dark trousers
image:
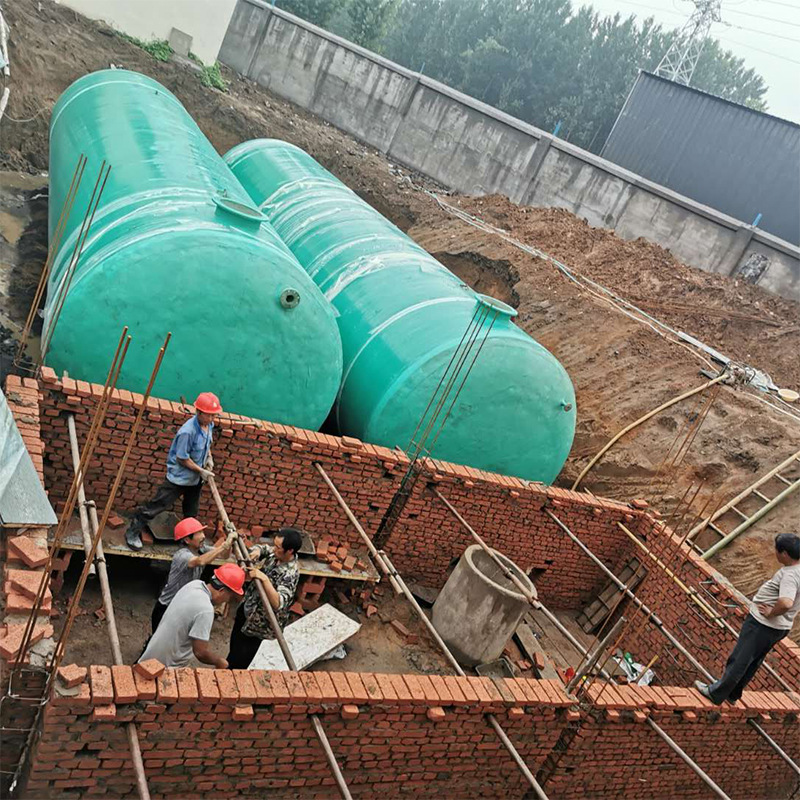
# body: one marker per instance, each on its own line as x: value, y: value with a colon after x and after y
x: 243, y: 648
x: 165, y: 499
x: 755, y: 641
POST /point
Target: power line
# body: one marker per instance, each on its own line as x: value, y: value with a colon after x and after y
x: 768, y: 19
x: 758, y: 50
x: 763, y: 33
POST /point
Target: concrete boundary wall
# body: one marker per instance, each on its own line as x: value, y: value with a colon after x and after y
x: 476, y: 149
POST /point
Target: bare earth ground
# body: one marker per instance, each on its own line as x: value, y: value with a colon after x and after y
x: 620, y: 368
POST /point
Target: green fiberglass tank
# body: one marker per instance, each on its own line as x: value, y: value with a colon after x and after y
x: 177, y: 245
x: 402, y: 316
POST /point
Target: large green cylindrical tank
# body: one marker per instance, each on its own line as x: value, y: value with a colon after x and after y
x: 177, y: 245
x: 402, y: 316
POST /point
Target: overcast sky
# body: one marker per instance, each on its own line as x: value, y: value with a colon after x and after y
x: 770, y: 43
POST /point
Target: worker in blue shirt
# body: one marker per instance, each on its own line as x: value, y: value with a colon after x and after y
x: 189, y: 465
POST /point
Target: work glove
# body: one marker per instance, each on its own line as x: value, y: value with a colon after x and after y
x: 210, y: 461
x: 206, y: 475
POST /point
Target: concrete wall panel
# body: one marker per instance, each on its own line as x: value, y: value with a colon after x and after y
x: 476, y: 149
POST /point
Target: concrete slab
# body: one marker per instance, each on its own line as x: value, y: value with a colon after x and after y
x: 309, y: 639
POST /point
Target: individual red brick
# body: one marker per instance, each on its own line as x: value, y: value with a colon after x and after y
x: 167, y: 687
x: 115, y: 521
x: 639, y: 716
x: 386, y: 687
x: 187, y: 685
x: 349, y: 563
x: 400, y: 628
x: 144, y: 686
x: 435, y: 714
x: 297, y: 608
x: 125, y: 690
x: 371, y: 611
x: 415, y: 689
x: 243, y: 713
x: 295, y: 686
x: 336, y: 566
x: 102, y: 687
x: 26, y: 583
x: 359, y: 691
x: 371, y: 686
x: 309, y: 681
x: 326, y: 687
x: 149, y: 669
x: 516, y: 713
x: 342, y: 686
x: 72, y: 675
x: 228, y: 691
x: 245, y: 685
x: 207, y: 688
x: 280, y: 691
x: 107, y: 713
x: 453, y: 685
x: 441, y: 690
x: 23, y: 547
x: 349, y: 711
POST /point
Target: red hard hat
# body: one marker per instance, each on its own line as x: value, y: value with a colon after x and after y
x: 208, y: 403
x: 231, y: 576
x: 186, y: 527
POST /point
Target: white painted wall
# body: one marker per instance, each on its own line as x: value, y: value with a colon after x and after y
x: 204, y: 20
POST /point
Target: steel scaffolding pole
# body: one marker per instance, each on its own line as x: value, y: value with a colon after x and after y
x: 394, y: 577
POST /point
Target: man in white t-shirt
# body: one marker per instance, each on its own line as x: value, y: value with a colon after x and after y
x: 185, y: 628
x: 775, y: 605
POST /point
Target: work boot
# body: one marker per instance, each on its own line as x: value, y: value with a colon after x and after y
x: 703, y: 689
x: 133, y: 538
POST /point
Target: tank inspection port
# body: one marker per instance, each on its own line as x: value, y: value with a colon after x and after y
x: 566, y: 406
x: 290, y: 298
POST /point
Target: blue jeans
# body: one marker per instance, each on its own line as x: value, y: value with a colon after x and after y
x: 755, y: 641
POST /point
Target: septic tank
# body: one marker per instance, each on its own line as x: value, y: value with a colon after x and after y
x: 402, y: 316
x: 178, y: 245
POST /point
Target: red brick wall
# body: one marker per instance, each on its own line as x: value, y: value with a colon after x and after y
x: 216, y: 733
x: 267, y: 477
x: 615, y: 754
x: 211, y: 733
x: 706, y: 640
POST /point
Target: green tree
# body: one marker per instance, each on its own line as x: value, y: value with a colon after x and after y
x: 317, y: 12
x: 369, y: 20
x: 546, y: 62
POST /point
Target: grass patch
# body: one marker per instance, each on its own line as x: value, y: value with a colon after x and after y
x: 212, y: 77
x: 159, y: 49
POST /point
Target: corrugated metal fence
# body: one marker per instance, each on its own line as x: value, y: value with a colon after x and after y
x: 724, y: 155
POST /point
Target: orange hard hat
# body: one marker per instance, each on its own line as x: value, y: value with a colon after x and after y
x: 208, y: 403
x: 231, y: 576
x: 187, y: 527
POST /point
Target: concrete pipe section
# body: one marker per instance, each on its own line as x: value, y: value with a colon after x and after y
x: 479, y: 608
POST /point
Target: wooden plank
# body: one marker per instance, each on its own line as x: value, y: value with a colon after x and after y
x: 531, y: 646
x: 114, y: 545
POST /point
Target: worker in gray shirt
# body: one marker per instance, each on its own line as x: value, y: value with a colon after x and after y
x: 185, y: 629
x: 188, y: 562
x: 775, y: 605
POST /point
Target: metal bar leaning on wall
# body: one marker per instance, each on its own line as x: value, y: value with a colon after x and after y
x: 668, y: 634
x: 537, y: 604
x: 244, y: 559
x: 397, y: 582
x: 90, y: 526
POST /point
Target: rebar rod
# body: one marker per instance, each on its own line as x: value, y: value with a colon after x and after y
x: 244, y: 558
x: 590, y: 659
x: 61, y: 644
x: 55, y: 243
x: 664, y: 630
x: 393, y: 576
x: 90, y: 526
x: 69, y: 504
